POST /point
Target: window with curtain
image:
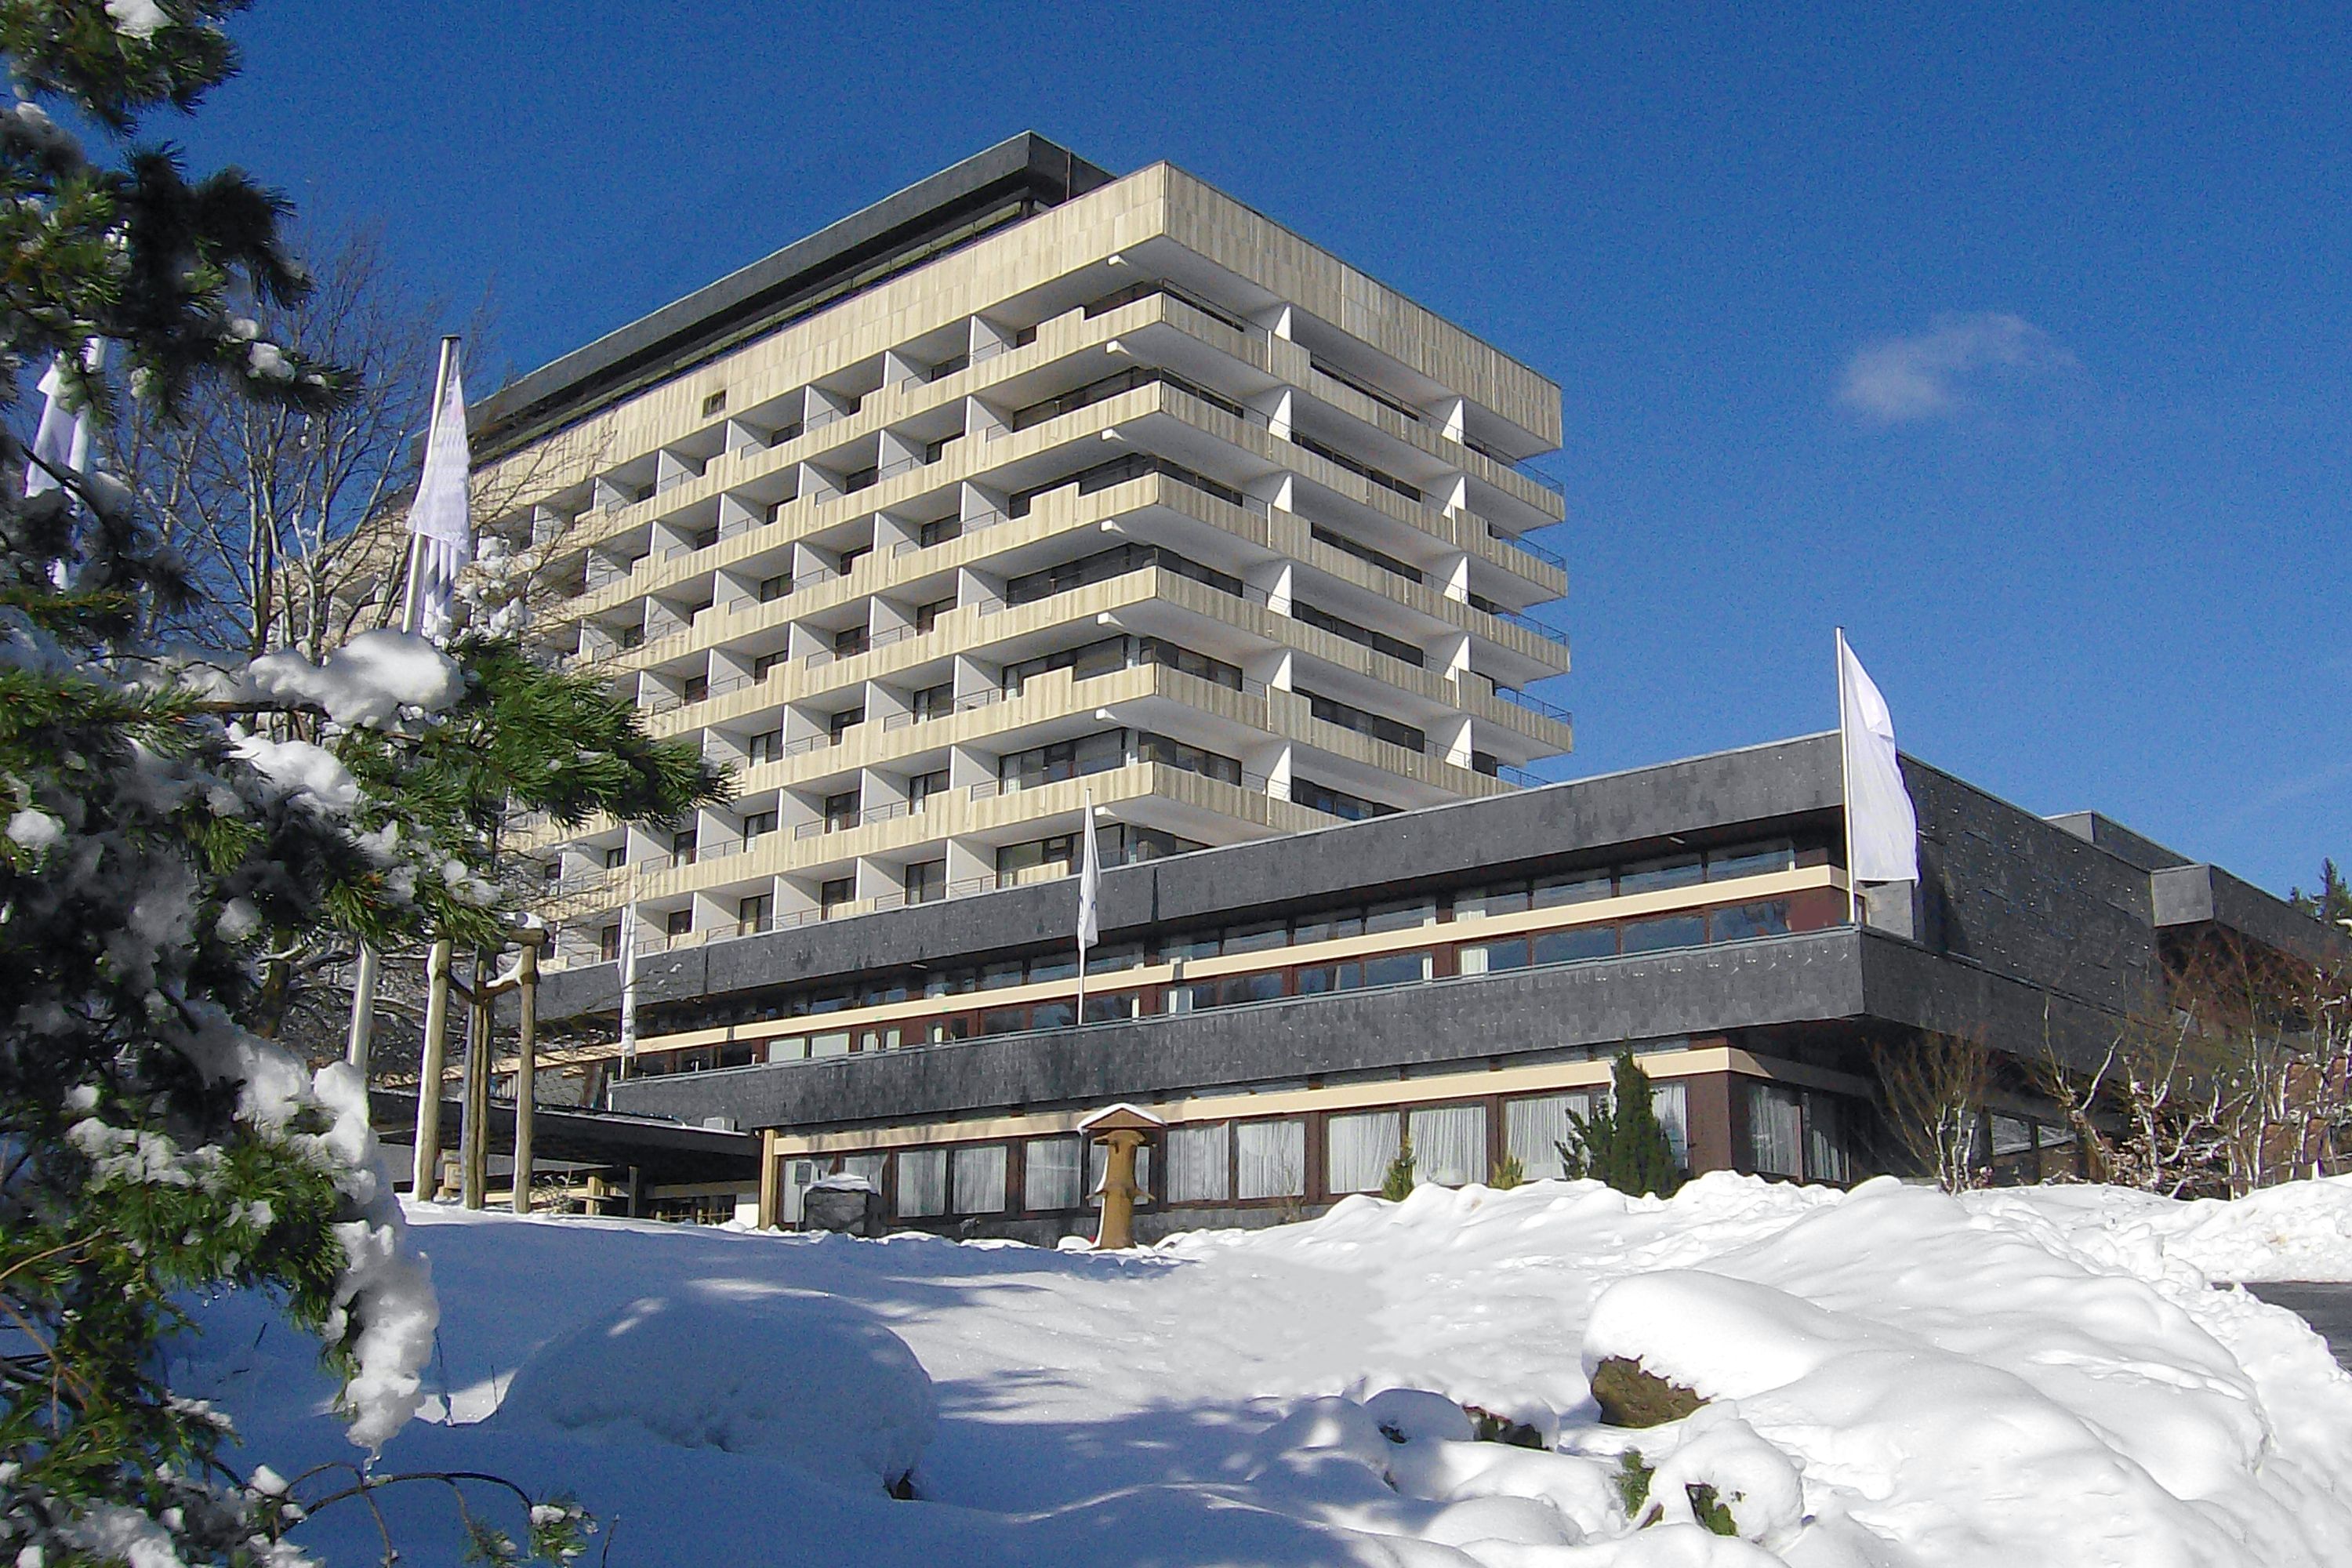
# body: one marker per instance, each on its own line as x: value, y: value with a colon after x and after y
x: 1775, y: 1129
x: 1097, y: 1155
x: 1199, y: 1165
x: 922, y: 1183
x: 980, y: 1179
x: 799, y: 1175
x: 1449, y: 1144
x: 1270, y: 1158
x: 1360, y: 1148
x: 866, y: 1166
x: 1053, y: 1174
x: 1670, y: 1104
x: 1535, y: 1128
x: 1825, y: 1156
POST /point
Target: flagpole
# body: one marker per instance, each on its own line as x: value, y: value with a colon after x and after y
x: 1845, y: 785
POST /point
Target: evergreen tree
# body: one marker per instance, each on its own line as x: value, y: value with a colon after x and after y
x: 171, y: 825
x: 1622, y: 1143
x: 2331, y: 903
x: 1396, y: 1184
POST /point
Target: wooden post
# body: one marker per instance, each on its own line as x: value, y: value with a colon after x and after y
x: 1117, y: 1231
x: 426, y: 1171
x: 771, y: 1180
x: 474, y: 1138
x: 526, y: 1063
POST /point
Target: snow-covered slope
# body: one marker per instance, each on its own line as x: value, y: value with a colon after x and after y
x: 1897, y: 1378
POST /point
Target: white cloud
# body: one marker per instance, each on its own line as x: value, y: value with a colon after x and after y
x: 1921, y: 375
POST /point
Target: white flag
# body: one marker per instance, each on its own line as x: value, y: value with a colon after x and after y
x: 440, y: 516
x: 1881, y: 826
x: 62, y: 441
x: 1089, y: 884
x: 628, y: 983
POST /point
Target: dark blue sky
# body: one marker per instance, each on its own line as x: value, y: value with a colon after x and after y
x: 2016, y: 344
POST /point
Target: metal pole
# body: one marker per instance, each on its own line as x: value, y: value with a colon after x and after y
x: 363, y: 983
x: 526, y: 1065
x: 1845, y: 787
x: 362, y: 1040
x: 433, y: 1067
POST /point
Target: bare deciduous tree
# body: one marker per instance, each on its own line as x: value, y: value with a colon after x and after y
x: 1932, y: 1090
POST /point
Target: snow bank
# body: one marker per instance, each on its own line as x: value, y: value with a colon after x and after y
x: 800, y: 1378
x: 1898, y: 1380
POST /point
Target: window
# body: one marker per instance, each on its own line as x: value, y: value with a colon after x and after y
x: 1492, y: 957
x: 764, y: 748
x: 921, y: 787
x: 841, y: 810
x: 1776, y: 1130
x: 758, y: 824
x: 677, y: 923
x: 1361, y: 1148
x: 1331, y: 711
x: 848, y: 642
x: 979, y: 1174
x: 922, y: 1183
x: 939, y: 530
x: 616, y: 856
x: 834, y: 896
x: 1084, y: 663
x: 851, y: 557
x: 1112, y: 1009
x: 1770, y: 917
x: 1199, y: 1164
x: 714, y: 404
x: 1059, y: 850
x: 1395, y: 969
x: 1270, y: 1160
x: 1153, y: 650
x: 1191, y: 758
x: 1232, y: 991
x: 695, y: 689
x: 1379, y: 642
x: 1535, y: 1129
x: 1665, y: 931
x: 1095, y: 753
x: 1750, y: 859
x: 775, y: 587
x: 926, y: 881
x: 1401, y: 915
x: 833, y: 1043
x: 755, y: 913
x: 840, y: 724
x: 933, y: 701
x: 1053, y: 1014
x: 1322, y: 797
x: 1577, y: 942
x: 1053, y: 1174
x: 608, y: 945
x: 1449, y: 1144
x: 682, y: 846
x: 1573, y: 887
x: 768, y: 663
x: 1649, y: 876
x: 1825, y: 1151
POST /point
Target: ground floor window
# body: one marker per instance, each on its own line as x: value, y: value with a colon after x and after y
x: 1796, y: 1132
x: 1449, y: 1144
x: 922, y: 1183
x: 1270, y: 1160
x: 979, y: 1177
x: 1535, y: 1130
x: 1360, y: 1147
x: 1199, y: 1164
x: 1053, y: 1174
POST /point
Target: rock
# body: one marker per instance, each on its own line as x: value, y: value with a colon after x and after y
x: 1629, y: 1397
x: 851, y: 1211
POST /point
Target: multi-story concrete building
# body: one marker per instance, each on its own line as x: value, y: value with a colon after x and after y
x: 1026, y: 486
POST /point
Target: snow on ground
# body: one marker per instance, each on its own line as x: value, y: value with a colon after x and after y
x: 1897, y: 1379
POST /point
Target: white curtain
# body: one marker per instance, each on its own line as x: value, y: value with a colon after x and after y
x: 1670, y: 1105
x: 1449, y: 1145
x: 866, y: 1166
x: 1775, y: 1129
x: 1272, y: 1156
x: 922, y: 1183
x: 1533, y: 1130
x: 1198, y: 1160
x: 980, y: 1180
x: 1362, y: 1146
x: 798, y: 1176
x: 1051, y: 1174
x: 1824, y: 1140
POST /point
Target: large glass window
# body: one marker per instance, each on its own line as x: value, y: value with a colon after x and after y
x: 980, y: 1179
x: 1095, y: 753
x: 1825, y: 1152
x: 1449, y: 1144
x: 1361, y: 1147
x: 1084, y: 663
x: 1053, y: 1174
x: 1395, y: 969
x: 1665, y: 931
x: 1776, y: 1130
x: 1577, y: 941
x: 1535, y: 1129
x: 1191, y: 758
x: 1649, y: 876
x: 1486, y: 958
x: 1271, y: 1159
x: 1749, y: 860
x: 922, y: 1183
x: 1570, y: 888
x: 1199, y: 1164
x: 1770, y: 917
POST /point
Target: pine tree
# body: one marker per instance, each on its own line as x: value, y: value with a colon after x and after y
x: 2331, y: 903
x: 1622, y: 1143
x: 1396, y: 1184
x: 168, y: 824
